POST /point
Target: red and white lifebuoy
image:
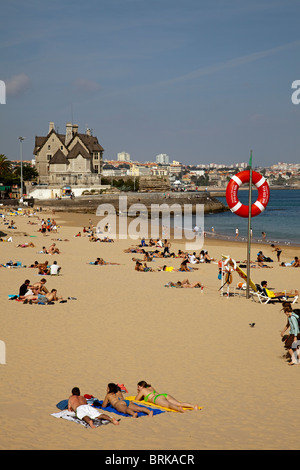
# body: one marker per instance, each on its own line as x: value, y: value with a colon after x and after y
x: 232, y: 194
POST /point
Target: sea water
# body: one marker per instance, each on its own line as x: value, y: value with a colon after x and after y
x: 280, y: 220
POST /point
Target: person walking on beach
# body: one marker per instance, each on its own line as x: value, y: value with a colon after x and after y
x: 86, y: 412
x: 292, y: 341
x: 236, y: 233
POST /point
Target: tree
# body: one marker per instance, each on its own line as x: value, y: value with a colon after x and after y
x: 29, y: 172
x: 5, y: 165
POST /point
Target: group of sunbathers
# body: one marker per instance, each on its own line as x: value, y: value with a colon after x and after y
x: 45, y: 268
x: 114, y: 397
x: 37, y: 293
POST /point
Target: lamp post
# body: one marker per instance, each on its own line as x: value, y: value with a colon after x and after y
x: 21, y: 159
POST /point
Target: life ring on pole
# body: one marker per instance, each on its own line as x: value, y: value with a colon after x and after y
x: 230, y: 265
x: 232, y: 194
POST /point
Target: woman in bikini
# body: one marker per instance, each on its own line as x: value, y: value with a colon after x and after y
x: 115, y: 397
x: 147, y: 393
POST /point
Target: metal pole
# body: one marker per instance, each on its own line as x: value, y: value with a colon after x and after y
x: 21, y: 159
x: 249, y: 229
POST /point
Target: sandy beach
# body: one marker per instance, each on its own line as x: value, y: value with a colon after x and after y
x: 125, y: 326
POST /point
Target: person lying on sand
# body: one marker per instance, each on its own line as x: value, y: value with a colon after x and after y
x: 133, y: 249
x: 142, y: 267
x: 25, y: 245
x: 168, y: 269
x: 42, y: 298
x: 185, y: 284
x: 115, y: 398
x: 147, y: 257
x: 86, y: 412
x: 295, y: 263
x: 101, y: 262
x: 147, y: 393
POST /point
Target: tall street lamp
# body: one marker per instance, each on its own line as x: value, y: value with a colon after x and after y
x: 21, y: 158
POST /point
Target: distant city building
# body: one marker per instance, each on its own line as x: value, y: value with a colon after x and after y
x: 123, y: 157
x: 162, y: 159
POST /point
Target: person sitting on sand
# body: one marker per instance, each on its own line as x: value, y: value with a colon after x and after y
x: 297, y: 262
x: 115, y: 398
x: 53, y: 249
x: 55, y: 269
x: 40, y: 287
x: 24, y: 288
x: 147, y: 393
x: 277, y: 295
x: 43, y: 268
x: 86, y: 412
x: 207, y: 258
x: 184, y: 266
x: 193, y: 259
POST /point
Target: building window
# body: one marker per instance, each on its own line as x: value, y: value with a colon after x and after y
x: 96, y: 168
x: 49, y: 157
x: 49, y: 147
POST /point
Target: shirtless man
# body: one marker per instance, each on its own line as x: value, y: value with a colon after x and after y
x: 53, y: 249
x: 43, y: 268
x: 40, y: 287
x: 42, y: 298
x: 86, y: 412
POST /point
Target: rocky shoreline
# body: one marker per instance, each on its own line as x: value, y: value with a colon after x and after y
x: 123, y: 201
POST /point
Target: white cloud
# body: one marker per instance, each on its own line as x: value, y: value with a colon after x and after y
x: 17, y: 84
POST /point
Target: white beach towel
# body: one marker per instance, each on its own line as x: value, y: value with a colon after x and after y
x: 70, y: 416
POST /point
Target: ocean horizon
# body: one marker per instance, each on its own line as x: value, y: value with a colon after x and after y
x: 280, y: 220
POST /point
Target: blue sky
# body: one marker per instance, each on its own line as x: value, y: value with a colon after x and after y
x: 200, y: 80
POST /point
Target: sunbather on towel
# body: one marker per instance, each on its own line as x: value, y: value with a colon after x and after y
x: 86, y: 412
x: 115, y: 397
x: 185, y: 284
x: 147, y: 393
